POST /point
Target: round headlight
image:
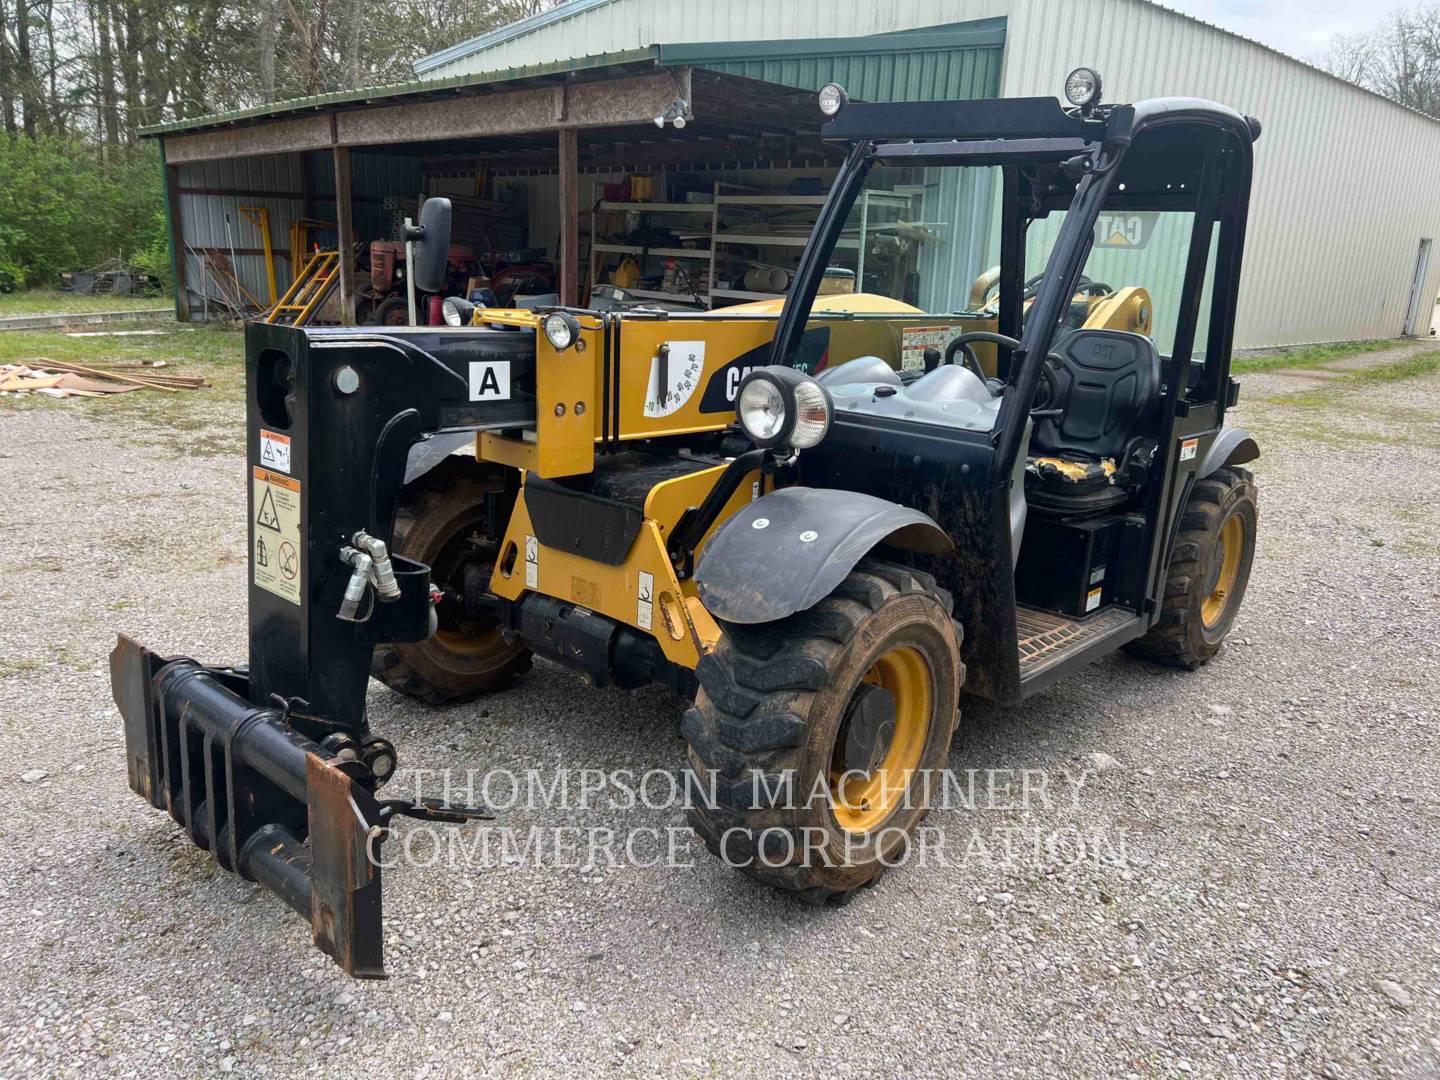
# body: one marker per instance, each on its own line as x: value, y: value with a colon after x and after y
x: 779, y: 406
x: 760, y: 408
x: 832, y: 99
x: 457, y: 311
x: 561, y: 330
x: 1082, y: 87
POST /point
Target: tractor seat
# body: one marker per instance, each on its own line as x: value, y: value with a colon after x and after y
x: 1107, y: 386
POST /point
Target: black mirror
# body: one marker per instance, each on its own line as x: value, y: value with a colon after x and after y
x: 432, y: 246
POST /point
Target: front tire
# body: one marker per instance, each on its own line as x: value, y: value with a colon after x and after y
x: 443, y: 522
x: 1208, y: 571
x: 819, y: 733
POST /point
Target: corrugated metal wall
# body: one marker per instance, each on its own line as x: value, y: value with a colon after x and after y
x: 1344, y: 187
x: 637, y: 24
x: 212, y: 190
x: 372, y: 178
x: 937, y: 64
x: 1344, y: 181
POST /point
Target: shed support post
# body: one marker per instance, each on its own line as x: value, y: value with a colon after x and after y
x: 178, y: 257
x: 345, y: 229
x: 569, y: 217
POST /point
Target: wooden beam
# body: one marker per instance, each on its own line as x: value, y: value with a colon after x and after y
x: 569, y: 217
x: 345, y: 228
x: 177, y: 243
x: 468, y: 114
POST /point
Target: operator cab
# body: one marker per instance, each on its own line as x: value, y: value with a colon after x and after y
x: 1048, y: 296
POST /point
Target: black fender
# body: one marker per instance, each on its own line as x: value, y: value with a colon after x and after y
x: 787, y: 550
x: 1233, y: 446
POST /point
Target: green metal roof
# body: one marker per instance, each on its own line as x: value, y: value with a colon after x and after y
x: 936, y: 63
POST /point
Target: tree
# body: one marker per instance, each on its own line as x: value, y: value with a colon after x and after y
x: 1399, y: 59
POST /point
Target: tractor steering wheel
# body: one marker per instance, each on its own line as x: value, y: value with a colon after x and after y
x: 961, y: 344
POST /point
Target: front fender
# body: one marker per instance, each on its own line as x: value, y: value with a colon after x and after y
x: 1233, y: 446
x: 810, y: 539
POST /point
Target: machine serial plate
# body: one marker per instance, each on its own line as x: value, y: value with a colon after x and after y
x: 275, y: 534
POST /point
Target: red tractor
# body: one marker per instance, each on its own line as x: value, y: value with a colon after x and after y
x: 381, y: 301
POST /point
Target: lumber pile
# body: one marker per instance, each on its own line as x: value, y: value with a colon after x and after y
x: 56, y: 378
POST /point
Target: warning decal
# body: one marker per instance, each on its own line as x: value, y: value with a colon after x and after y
x: 274, y: 450
x: 275, y: 535
x: 645, y: 601
x: 914, y: 340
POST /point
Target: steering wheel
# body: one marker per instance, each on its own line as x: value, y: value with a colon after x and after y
x: 1047, y: 404
x: 961, y: 343
x: 1084, y: 286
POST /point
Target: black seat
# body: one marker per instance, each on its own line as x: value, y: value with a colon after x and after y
x: 1107, y: 388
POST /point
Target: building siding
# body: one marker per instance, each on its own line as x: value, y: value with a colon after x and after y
x: 288, y: 178
x: 1343, y: 189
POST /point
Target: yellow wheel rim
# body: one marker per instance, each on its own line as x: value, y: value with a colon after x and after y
x: 462, y: 644
x: 863, y: 802
x: 1232, y: 548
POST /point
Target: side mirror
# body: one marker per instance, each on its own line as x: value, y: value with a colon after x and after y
x: 432, y: 246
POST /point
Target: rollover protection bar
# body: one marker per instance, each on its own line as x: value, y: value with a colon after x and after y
x: 250, y: 789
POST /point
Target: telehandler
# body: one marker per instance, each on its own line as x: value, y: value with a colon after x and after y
x: 822, y: 519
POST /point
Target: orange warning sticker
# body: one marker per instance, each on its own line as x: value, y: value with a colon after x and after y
x: 275, y: 534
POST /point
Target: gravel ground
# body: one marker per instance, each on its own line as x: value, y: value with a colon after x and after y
x: 1265, y: 901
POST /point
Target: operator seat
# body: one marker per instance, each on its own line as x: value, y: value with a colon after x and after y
x: 1093, y: 454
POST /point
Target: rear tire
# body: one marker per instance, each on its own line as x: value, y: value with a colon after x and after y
x: 439, y: 517
x: 1208, y: 571
x: 780, y: 702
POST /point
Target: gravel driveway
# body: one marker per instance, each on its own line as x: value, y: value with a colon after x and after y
x: 1264, y: 900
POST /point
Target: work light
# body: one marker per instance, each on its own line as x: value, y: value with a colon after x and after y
x: 457, y: 311
x: 561, y: 330
x: 832, y: 99
x: 779, y: 406
x: 1082, y: 87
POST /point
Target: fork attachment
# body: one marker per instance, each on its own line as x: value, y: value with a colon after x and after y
x: 250, y: 789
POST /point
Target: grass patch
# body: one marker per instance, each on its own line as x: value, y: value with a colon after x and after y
x: 216, y: 354
x: 1409, y: 368
x: 1308, y: 356
x: 54, y: 302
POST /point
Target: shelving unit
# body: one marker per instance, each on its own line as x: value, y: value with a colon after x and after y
x: 761, y: 214
x: 600, y: 248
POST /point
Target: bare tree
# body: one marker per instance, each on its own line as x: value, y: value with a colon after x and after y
x: 1399, y: 59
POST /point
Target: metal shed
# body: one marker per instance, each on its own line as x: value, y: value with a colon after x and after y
x: 557, y: 131
x: 1345, y: 211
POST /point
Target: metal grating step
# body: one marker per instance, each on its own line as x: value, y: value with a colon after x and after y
x: 1045, y: 638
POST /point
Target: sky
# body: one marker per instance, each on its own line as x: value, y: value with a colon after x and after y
x: 1302, y: 28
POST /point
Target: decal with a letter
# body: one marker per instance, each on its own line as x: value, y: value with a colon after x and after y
x: 490, y: 380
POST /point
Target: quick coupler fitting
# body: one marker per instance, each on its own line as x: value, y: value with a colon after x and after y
x: 362, y: 566
x: 383, y: 570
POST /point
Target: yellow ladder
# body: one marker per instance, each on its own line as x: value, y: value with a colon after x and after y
x: 307, y: 292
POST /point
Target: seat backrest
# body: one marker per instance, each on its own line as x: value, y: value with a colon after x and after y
x: 1109, y: 388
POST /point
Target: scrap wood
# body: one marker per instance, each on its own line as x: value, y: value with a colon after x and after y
x: 139, y: 380
x: 54, y: 378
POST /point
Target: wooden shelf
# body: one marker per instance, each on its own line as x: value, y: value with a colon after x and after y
x: 660, y: 207
x: 662, y: 252
x: 770, y: 200
x: 764, y: 240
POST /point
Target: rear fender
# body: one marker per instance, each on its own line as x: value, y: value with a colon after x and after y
x: 786, y: 550
x: 1233, y: 446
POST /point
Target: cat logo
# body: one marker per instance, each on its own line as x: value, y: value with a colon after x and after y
x: 1124, y: 230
